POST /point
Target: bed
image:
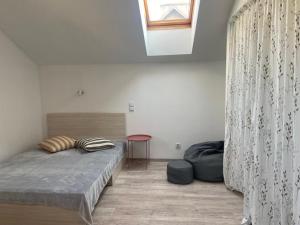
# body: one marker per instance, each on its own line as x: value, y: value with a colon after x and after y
x: 39, y: 188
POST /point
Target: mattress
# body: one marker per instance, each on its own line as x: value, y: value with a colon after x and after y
x: 71, y: 179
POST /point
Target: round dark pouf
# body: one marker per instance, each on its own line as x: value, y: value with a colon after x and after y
x: 180, y: 172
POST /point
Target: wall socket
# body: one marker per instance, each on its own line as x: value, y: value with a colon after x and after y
x: 178, y: 146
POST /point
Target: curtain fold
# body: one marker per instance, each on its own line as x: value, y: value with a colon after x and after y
x: 262, y: 136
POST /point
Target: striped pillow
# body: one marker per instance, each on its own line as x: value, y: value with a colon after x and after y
x: 57, y: 144
x: 94, y: 144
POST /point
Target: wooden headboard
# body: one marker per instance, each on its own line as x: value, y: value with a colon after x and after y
x: 108, y: 125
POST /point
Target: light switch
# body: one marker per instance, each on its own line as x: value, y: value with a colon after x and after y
x: 131, y: 106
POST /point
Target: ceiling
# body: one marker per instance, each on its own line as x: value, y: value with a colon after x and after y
x: 102, y: 31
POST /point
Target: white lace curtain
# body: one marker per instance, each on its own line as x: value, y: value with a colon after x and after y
x: 262, y: 141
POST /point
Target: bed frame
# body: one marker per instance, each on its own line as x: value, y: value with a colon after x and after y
x: 109, y: 125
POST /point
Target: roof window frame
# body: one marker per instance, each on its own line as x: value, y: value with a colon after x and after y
x: 169, y: 24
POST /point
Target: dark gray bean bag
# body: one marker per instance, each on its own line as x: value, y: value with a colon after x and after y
x: 207, y: 160
x: 180, y: 172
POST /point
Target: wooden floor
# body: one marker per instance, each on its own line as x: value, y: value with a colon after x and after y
x: 144, y: 197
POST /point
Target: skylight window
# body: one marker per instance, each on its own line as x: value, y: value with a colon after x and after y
x: 169, y: 26
x: 169, y: 13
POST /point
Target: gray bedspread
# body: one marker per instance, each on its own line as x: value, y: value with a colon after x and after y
x: 71, y: 179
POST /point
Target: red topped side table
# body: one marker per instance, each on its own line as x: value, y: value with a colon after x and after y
x: 139, y: 138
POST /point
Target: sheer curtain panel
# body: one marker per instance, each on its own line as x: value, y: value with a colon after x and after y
x: 262, y: 140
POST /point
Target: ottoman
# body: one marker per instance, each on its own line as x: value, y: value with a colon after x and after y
x: 180, y: 172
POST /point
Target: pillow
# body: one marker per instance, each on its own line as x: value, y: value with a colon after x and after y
x: 94, y: 144
x: 57, y: 144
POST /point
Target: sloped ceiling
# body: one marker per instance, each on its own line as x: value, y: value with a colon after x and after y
x: 102, y: 31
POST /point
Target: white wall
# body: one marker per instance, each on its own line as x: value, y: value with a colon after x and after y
x: 20, y: 109
x: 174, y: 102
x: 169, y: 42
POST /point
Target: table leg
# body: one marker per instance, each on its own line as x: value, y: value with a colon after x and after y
x: 146, y: 150
x: 128, y: 149
x: 146, y: 154
x: 149, y: 155
x: 132, y: 150
x: 128, y: 153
